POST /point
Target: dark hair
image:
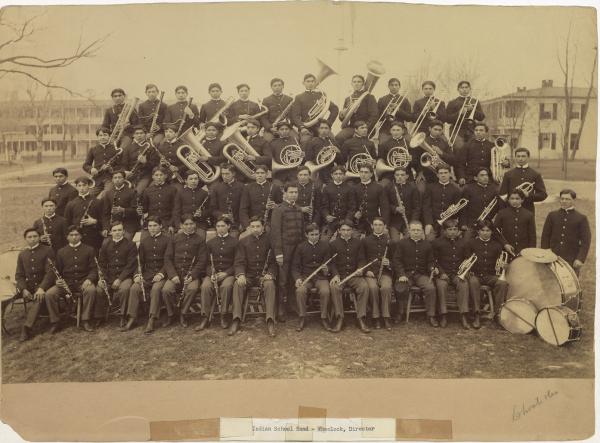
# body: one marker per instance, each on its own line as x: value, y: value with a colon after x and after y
x: 256, y: 218
x: 365, y: 165
x: 117, y: 90
x: 139, y: 128
x: 427, y: 82
x: 358, y: 76
x: 47, y: 199
x: 261, y: 167
x: 399, y: 168
x: 214, y: 85
x: 159, y: 168
x: 155, y: 219
x: 83, y: 180
x: 397, y: 123
x: 311, y: 227
x: 73, y: 228
x: 482, y: 124
x: 118, y: 171
x: 572, y: 193
x: 307, y: 76
x: 181, y: 87
x: 276, y: 79
x: 289, y: 184
x: 487, y: 223
x: 103, y: 130
x: 62, y: 171
x: 228, y: 166
x: 302, y: 168
x: 439, y: 168
x: 253, y: 122
x: 463, y: 82
x: 415, y: 222
x: 191, y: 172
x: 450, y: 223
x: 340, y: 168
x: 518, y: 192
x: 187, y: 216
x: 215, y: 125
x: 481, y: 168
x: 28, y: 230
x: 242, y: 85
x: 322, y: 121
x: 378, y: 219
x: 346, y: 222
x: 436, y: 122
x: 150, y: 86
x: 392, y: 80
x: 115, y: 223
x: 224, y: 219
x: 525, y: 150
x: 358, y: 123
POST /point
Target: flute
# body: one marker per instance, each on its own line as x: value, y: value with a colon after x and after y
x: 316, y: 271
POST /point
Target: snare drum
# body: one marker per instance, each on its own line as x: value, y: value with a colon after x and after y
x: 517, y: 315
x: 558, y: 325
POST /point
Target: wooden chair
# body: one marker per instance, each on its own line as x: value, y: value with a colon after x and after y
x: 254, y: 302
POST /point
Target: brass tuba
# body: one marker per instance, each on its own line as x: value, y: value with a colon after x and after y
x: 325, y: 157
x: 219, y: 117
x: 190, y: 153
x: 122, y: 122
x: 321, y: 106
x: 500, y: 154
x: 290, y: 157
x: 374, y: 71
x: 397, y: 157
x: 237, y: 151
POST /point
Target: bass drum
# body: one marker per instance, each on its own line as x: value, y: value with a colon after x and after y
x: 558, y: 325
x: 518, y: 316
x: 8, y: 267
x: 543, y: 282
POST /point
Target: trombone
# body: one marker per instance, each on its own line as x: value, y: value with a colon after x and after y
x: 463, y: 118
x: 432, y: 103
x: 388, y: 114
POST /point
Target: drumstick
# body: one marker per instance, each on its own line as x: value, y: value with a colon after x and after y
x: 518, y: 316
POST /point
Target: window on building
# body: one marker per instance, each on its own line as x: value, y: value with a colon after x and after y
x: 514, y: 108
x: 547, y: 140
x: 583, y: 111
x: 548, y: 111
x: 573, y: 142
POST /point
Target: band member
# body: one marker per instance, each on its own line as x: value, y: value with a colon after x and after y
x: 158, y: 200
x: 480, y: 194
x: 449, y: 253
x: 168, y: 150
x: 309, y: 196
x: 394, y: 139
x: 51, y: 227
x: 378, y: 276
x: 243, y: 108
x: 153, y: 272
x: 76, y: 265
x: 63, y: 192
x: 349, y: 258
x: 185, y: 261
x: 219, y: 273
x: 522, y: 174
x: 85, y: 212
x: 453, y: 112
x: 111, y: 117
x: 213, y: 145
x: 276, y: 103
x: 100, y: 161
x: 117, y: 261
x: 403, y: 113
x: 427, y: 101
x: 359, y: 144
x: 214, y: 105
x: 475, y: 154
x: 305, y: 102
x: 225, y: 196
x: 258, y: 199
x: 367, y: 110
x: 435, y: 138
x: 567, y: 231
x: 337, y: 203
x: 254, y: 266
x: 120, y: 204
x: 192, y: 199
x: 147, y: 113
x: 138, y: 160
x: 413, y: 264
x: 437, y: 198
x: 405, y: 204
x: 259, y: 143
x: 484, y: 270
x: 287, y: 230
x: 33, y: 277
x: 370, y: 200
x: 316, y: 144
x: 308, y: 257
x: 182, y: 114
x: 516, y: 224
x: 279, y: 145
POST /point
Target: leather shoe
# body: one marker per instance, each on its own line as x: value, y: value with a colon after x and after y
x: 300, y: 324
x: 150, y: 326
x: 463, y: 320
x: 203, y: 324
x: 54, y: 328
x: 87, y: 327
x: 235, y: 326
x: 476, y: 322
x: 224, y: 323
x: 123, y: 322
x: 339, y: 324
x: 182, y: 321
x: 387, y: 323
x: 443, y: 321
x: 25, y: 334
x: 169, y: 321
x: 398, y: 319
x: 433, y: 322
x: 376, y: 323
x: 128, y: 326
x: 363, y: 326
x: 325, y: 324
x: 271, y: 328
x: 281, y: 317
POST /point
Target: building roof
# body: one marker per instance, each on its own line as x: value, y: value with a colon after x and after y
x: 545, y: 92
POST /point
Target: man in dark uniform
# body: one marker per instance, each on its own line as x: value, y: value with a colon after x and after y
x: 309, y: 196
x: 51, y: 227
x: 147, y: 113
x: 182, y: 114
x: 337, y: 203
x: 428, y: 88
x: 120, y: 204
x: 403, y: 113
x: 213, y: 145
x: 370, y: 200
x: 85, y: 211
x: 521, y: 174
x: 138, y: 160
x: 394, y: 139
x: 192, y: 199
x: 405, y: 204
x: 258, y: 143
x: 243, y: 108
x: 367, y: 110
x: 63, y: 192
x: 254, y: 266
x: 158, y: 200
x: 316, y: 144
x: 516, y: 224
x: 33, y: 277
x: 259, y: 198
x: 358, y: 144
x: 423, y: 174
x: 276, y: 103
x: 475, y: 154
x: 437, y: 198
x: 276, y: 146
x: 100, y: 162
x: 480, y: 193
x: 567, y: 232
x: 112, y: 114
x: 225, y: 196
x: 214, y: 105
x: 167, y: 150
x: 453, y: 112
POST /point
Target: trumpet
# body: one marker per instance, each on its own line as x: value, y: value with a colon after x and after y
x: 431, y: 158
x: 190, y: 154
x: 325, y: 157
x: 463, y: 118
x: 526, y: 187
x: 122, y: 122
x: 375, y: 70
x: 290, y: 157
x: 429, y: 112
x: 501, y: 265
x: 238, y: 151
x: 466, y: 266
x: 452, y: 210
x: 487, y: 210
x: 321, y: 106
x: 397, y: 157
x: 499, y: 157
x: 388, y: 113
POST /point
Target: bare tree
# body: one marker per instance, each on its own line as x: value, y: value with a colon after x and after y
x: 39, y: 110
x: 583, y: 115
x: 515, y: 112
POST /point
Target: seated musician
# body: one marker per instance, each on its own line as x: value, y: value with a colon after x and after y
x: 309, y: 196
x: 185, y: 262
x: 309, y: 256
x: 85, y: 211
x: 378, y: 245
x: 258, y: 142
x: 138, y: 160
x: 97, y: 162
x: 449, y: 253
x: 51, y: 227
x: 112, y: 114
x: 453, y: 113
x: 369, y: 200
x: 182, y: 114
x: 367, y: 110
x: 193, y: 199
x: 76, y: 265
x: 435, y: 138
x: 225, y: 196
x: 158, y: 200
x: 168, y: 151
x: 413, y: 264
x: 428, y: 89
x: 475, y: 154
x: 147, y: 114
x: 480, y: 194
x: 276, y: 147
x: 213, y: 144
x: 359, y: 144
x: 523, y: 174
x: 254, y: 266
x: 258, y: 199
x: 63, y: 192
x: 34, y: 277
x: 316, y: 144
x: 405, y: 203
x: 243, y: 108
x: 276, y: 103
x: 437, y: 198
x: 516, y: 224
x: 567, y: 231
x: 117, y: 261
x: 484, y: 270
x: 220, y: 273
x: 349, y: 259
x: 395, y: 138
x: 337, y: 202
x: 153, y: 272
x: 120, y: 204
x: 214, y: 105
x: 403, y: 113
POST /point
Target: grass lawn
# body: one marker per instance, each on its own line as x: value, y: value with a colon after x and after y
x: 409, y: 350
x: 579, y: 170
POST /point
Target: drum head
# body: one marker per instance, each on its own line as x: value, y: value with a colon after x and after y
x: 518, y: 316
x: 553, y: 324
x: 534, y: 282
x: 539, y: 255
x: 569, y: 282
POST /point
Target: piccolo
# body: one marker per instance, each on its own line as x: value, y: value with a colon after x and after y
x: 316, y: 271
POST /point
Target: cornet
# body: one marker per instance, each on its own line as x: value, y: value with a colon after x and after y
x: 487, y: 210
x: 466, y: 266
x: 452, y: 210
x: 526, y: 187
x: 501, y: 265
x: 238, y: 151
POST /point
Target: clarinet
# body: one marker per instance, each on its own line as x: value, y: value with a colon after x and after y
x: 153, y: 126
x: 401, y: 205
x: 380, y: 273
x: 265, y: 268
x: 164, y: 161
x: 86, y: 212
x: 198, y: 212
x: 112, y: 206
x: 184, y: 284
x: 59, y: 277
x: 229, y: 207
x: 134, y: 171
x: 139, y: 209
x: 102, y: 279
x: 266, y: 216
x: 312, y: 200
x: 213, y: 279
x: 141, y: 276
x: 45, y: 231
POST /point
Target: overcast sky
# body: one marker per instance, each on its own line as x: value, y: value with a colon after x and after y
x: 233, y: 43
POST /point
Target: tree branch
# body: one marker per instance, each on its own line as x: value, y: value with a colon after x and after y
x: 41, y: 82
x: 23, y: 32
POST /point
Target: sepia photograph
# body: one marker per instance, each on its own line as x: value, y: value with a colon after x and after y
x: 297, y: 191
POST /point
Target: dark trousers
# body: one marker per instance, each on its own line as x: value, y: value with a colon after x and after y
x: 119, y: 297
x: 422, y: 281
x: 361, y: 292
x: 33, y: 310
x: 88, y: 295
x: 322, y: 286
x: 172, y: 291
x: 239, y: 293
x: 153, y: 293
x: 380, y: 295
x: 207, y: 293
x: 499, y: 290
x: 462, y: 293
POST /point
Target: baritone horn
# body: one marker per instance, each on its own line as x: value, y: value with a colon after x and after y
x: 431, y: 158
x: 374, y: 71
x: 325, y: 157
x: 321, y: 106
x: 397, y: 157
x: 290, y: 157
x: 238, y: 150
x: 500, y: 154
x: 190, y: 152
